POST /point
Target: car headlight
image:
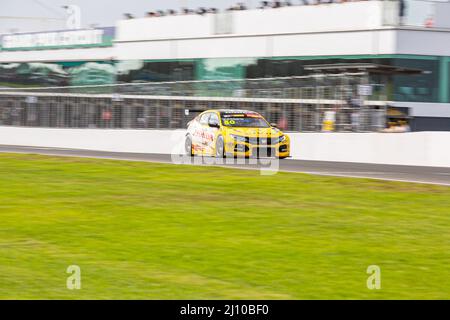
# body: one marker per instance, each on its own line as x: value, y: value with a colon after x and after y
x: 238, y: 138
x: 282, y: 138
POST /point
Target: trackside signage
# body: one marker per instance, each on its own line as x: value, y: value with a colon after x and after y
x: 58, y: 39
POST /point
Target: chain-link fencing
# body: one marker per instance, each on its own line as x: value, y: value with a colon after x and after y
x: 294, y: 104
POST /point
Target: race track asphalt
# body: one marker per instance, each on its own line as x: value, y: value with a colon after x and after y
x: 413, y: 174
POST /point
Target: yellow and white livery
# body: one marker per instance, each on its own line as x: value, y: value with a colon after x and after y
x: 235, y: 133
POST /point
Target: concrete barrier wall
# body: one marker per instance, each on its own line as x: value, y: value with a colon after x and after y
x: 418, y: 148
x: 139, y: 141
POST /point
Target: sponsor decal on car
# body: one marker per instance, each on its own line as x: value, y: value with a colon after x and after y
x: 203, y: 134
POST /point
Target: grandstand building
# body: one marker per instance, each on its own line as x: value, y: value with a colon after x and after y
x: 250, y: 44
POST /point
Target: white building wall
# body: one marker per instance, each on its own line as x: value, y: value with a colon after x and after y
x: 331, y: 17
x: 322, y: 44
x: 352, y: 28
x: 426, y: 109
x: 296, y: 19
x: 86, y: 54
x: 288, y: 31
x: 333, y: 43
x: 169, y: 27
x: 363, y: 42
x: 423, y: 42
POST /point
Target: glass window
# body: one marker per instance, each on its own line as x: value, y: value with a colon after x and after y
x: 214, y: 119
x: 244, y: 120
x: 448, y: 81
x: 48, y: 74
x: 417, y: 88
x: 158, y: 71
x: 204, y: 118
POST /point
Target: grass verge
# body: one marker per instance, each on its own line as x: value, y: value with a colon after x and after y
x: 155, y: 231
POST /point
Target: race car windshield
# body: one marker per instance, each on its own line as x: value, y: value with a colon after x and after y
x: 244, y: 121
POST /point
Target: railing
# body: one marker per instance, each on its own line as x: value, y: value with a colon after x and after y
x: 147, y: 112
x: 293, y: 103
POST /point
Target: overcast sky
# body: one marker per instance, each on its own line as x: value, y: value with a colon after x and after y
x: 100, y: 12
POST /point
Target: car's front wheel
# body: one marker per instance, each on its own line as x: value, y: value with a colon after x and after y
x: 220, y: 148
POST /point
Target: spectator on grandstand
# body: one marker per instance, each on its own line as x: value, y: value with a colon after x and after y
x: 276, y: 4
x: 402, y: 11
x: 128, y: 16
x: 429, y: 22
x: 264, y: 5
x: 171, y: 12
x: 212, y: 10
x: 355, y: 121
x: 201, y: 11
x: 187, y: 11
x: 282, y: 123
x: 107, y: 117
x: 242, y: 6
x: 237, y: 7
x: 151, y: 14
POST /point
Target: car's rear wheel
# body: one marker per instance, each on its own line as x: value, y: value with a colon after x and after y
x: 188, y: 146
x: 220, y: 148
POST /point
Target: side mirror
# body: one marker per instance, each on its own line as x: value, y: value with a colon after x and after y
x: 214, y: 125
x: 274, y: 125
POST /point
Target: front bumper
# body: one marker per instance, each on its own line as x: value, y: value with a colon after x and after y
x: 247, y: 150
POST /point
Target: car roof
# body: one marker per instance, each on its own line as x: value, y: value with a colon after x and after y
x: 228, y: 111
x: 235, y: 111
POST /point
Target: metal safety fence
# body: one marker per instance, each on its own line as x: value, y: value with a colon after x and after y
x: 319, y: 102
x: 53, y: 110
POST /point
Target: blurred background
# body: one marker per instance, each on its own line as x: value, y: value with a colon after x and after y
x: 357, y: 86
x: 361, y: 65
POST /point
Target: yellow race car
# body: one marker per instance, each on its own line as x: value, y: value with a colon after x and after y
x: 235, y: 133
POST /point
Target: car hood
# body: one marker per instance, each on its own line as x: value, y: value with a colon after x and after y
x: 255, y: 132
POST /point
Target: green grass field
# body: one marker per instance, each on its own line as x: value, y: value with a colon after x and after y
x: 153, y: 231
